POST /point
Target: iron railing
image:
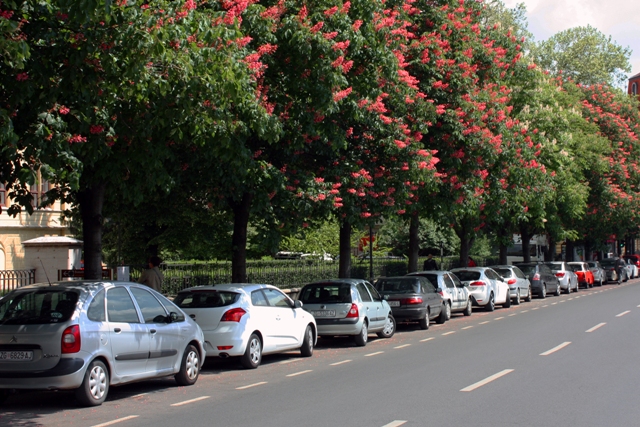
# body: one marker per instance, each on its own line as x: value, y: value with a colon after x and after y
x: 12, y: 279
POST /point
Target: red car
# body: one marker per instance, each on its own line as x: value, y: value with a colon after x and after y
x: 634, y: 259
x: 585, y: 276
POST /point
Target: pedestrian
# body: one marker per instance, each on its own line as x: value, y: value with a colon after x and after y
x: 620, y: 266
x: 152, y: 276
x: 430, y: 263
x: 471, y: 263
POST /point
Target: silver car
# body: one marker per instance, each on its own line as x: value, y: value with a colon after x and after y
x: 599, y: 275
x: 88, y: 336
x: 453, y: 291
x: 519, y: 285
x: 348, y: 307
x: 566, y: 277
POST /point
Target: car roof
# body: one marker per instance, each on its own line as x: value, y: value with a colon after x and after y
x: 237, y: 287
x: 438, y: 272
x: 349, y: 281
x: 471, y: 269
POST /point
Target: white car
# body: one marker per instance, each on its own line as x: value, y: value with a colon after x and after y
x: 486, y: 287
x: 248, y: 320
x: 632, y: 269
x: 519, y: 285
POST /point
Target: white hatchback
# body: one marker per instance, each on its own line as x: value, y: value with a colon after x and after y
x: 248, y: 320
x: 486, y: 287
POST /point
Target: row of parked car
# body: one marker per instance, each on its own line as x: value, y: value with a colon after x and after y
x: 86, y: 336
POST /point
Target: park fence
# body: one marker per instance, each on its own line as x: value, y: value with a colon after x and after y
x: 12, y: 279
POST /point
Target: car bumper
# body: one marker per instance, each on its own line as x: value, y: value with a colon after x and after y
x: 479, y: 297
x: 227, y: 334
x: 339, y: 326
x: 414, y: 313
x: 67, y: 374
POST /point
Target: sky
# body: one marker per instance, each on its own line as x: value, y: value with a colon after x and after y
x: 619, y: 19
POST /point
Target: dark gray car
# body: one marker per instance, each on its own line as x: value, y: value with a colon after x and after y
x: 412, y: 299
x: 542, y: 279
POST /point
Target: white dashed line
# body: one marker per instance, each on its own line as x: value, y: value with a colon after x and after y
x: 396, y: 423
x: 250, y: 385
x: 186, y: 402
x: 403, y: 346
x: 119, y: 420
x: 373, y: 354
x: 341, y: 363
x: 623, y: 313
x: 449, y: 333
x: 524, y: 311
x: 498, y: 318
x: 427, y: 339
x: 535, y: 308
x: 487, y: 380
x: 553, y: 303
x: 545, y: 306
x: 295, y: 374
x: 284, y: 362
x: 512, y: 314
x: 599, y: 325
x: 139, y: 395
x: 554, y: 349
x: 485, y: 322
x: 467, y: 327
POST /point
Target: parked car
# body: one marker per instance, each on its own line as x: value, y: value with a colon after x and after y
x: 633, y: 269
x: 412, y: 299
x: 454, y: 293
x: 248, y: 321
x: 540, y: 276
x: 585, y: 276
x: 519, y: 284
x: 599, y: 275
x: 634, y: 258
x: 609, y: 265
x: 567, y: 278
x: 486, y: 287
x: 348, y: 307
x: 90, y: 335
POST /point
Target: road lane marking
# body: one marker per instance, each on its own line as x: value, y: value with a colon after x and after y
x: 426, y: 339
x: 295, y: 374
x: 186, y: 402
x: 485, y: 322
x: 556, y: 348
x: 638, y: 305
x: 374, y: 354
x: 535, y: 308
x: 512, y: 314
x: 524, y: 311
x: 545, y: 306
x: 449, y: 333
x: 467, y: 327
x: 498, y: 318
x: 487, y: 380
x: 284, y: 362
x: 139, y: 395
x: 340, y: 363
x: 119, y: 420
x: 623, y: 313
x: 396, y: 423
x: 599, y: 325
x: 561, y: 302
x: 569, y: 299
x: 402, y: 346
x: 553, y: 303
x: 244, y: 387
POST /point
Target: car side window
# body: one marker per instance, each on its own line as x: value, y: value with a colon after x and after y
x: 457, y: 281
x: 490, y: 274
x: 364, y: 294
x: 276, y: 298
x: 429, y: 289
x: 96, y: 310
x: 258, y: 299
x: 374, y: 293
x: 448, y: 282
x: 519, y: 274
x: 120, y: 306
x: 152, y: 310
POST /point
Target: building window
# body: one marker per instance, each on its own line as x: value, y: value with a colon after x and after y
x: 634, y: 88
x: 3, y: 196
x: 39, y: 198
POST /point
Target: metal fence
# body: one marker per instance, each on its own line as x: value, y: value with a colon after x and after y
x: 12, y: 279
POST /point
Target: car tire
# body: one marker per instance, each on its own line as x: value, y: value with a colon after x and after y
x: 600, y: 283
x: 363, y: 336
x: 491, y: 305
x: 569, y: 288
x: 253, y: 354
x: 516, y: 300
x: 189, y: 368
x: 389, y: 328
x: 557, y: 292
x: 528, y: 297
x: 448, y: 311
x: 507, y: 303
x: 543, y: 292
x: 467, y: 311
x: 424, y: 323
x: 443, y: 314
x: 307, y: 344
x: 95, y: 385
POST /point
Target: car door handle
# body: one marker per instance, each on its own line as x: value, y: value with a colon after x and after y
x: 278, y: 318
x: 153, y: 331
x: 117, y: 330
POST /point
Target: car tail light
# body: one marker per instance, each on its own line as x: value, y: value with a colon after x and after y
x: 441, y: 292
x: 412, y: 301
x: 353, y: 311
x: 511, y: 282
x: 233, y: 315
x: 536, y: 276
x: 560, y: 274
x: 225, y: 347
x: 71, y: 340
x: 477, y: 284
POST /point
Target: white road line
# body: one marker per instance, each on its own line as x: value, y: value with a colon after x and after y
x: 374, y: 354
x: 545, y: 306
x: 554, y: 349
x: 623, y: 313
x: 599, y: 325
x: 569, y: 299
x: 403, y: 346
x: 396, y: 423
x: 119, y: 420
x: 139, y: 395
x: 186, y: 402
x: 449, y: 333
x: 300, y: 373
x: 553, y: 303
x: 284, y: 362
x: 487, y: 380
x: 561, y: 302
x: 485, y: 322
x: 535, y: 308
x: 340, y: 363
x: 498, y: 318
x: 467, y: 327
x: 512, y: 314
x: 244, y: 387
x: 427, y: 339
x: 524, y: 311
x: 638, y: 305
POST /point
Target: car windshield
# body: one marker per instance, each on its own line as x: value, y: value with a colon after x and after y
x: 555, y: 267
x: 323, y: 293
x: 205, y: 299
x: 606, y: 263
x: 527, y: 269
x: 397, y: 286
x: 592, y: 264
x: 504, y: 272
x: 575, y: 267
x: 38, y: 306
x: 466, y: 276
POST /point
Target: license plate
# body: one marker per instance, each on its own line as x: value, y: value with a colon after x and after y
x: 16, y: 355
x: 324, y: 313
x: 394, y: 303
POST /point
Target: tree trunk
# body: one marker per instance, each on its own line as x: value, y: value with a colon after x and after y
x: 503, y: 254
x: 587, y: 250
x: 569, y: 254
x: 239, y: 240
x: 550, y: 253
x: 344, y: 269
x: 503, y: 238
x: 525, y: 237
x: 414, y: 242
x: 465, y: 243
x: 90, y: 203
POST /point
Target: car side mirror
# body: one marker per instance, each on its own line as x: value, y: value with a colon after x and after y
x: 173, y: 317
x: 297, y: 304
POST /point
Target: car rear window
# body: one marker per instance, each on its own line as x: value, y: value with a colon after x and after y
x: 575, y: 267
x: 527, y: 269
x: 607, y: 263
x: 504, y: 272
x: 397, y: 286
x: 205, y: 299
x: 555, y: 267
x: 326, y: 293
x: 466, y: 276
x: 36, y: 307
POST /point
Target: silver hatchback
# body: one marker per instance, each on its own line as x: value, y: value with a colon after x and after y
x: 90, y: 335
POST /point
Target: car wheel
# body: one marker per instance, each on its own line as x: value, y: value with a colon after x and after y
x: 448, y: 311
x: 600, y: 283
x: 363, y: 336
x: 528, y: 297
x: 190, y: 367
x: 467, y: 311
x: 424, y: 323
x: 307, y: 344
x: 253, y: 354
x: 491, y: 305
x: 569, y: 288
x: 443, y: 314
x: 516, y: 301
x: 507, y: 303
x: 95, y: 385
x: 389, y: 328
x: 543, y: 292
x: 557, y: 292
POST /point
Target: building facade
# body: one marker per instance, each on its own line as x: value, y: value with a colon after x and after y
x: 634, y: 86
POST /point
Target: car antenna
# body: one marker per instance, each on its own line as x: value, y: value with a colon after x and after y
x: 45, y: 271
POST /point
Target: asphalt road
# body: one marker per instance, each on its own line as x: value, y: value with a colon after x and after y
x: 563, y: 361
